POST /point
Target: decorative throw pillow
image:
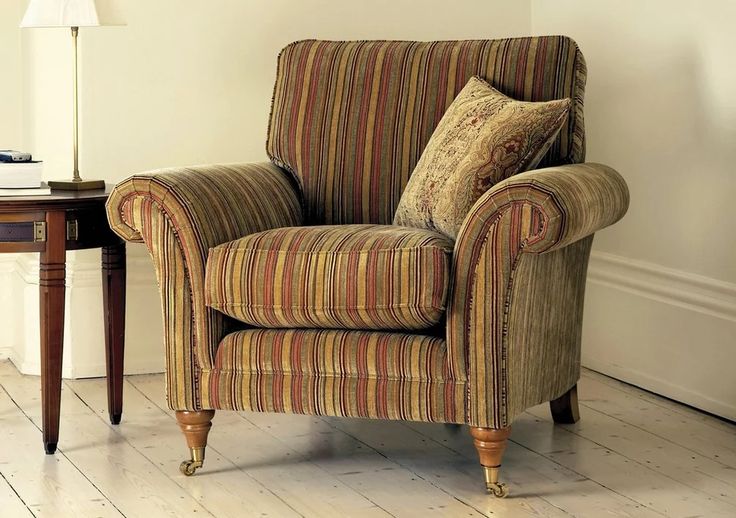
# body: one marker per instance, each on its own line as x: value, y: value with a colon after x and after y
x: 484, y: 137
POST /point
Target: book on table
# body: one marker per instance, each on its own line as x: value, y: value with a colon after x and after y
x: 42, y: 190
x: 22, y: 179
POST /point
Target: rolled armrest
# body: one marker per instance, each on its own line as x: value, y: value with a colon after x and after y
x: 180, y: 214
x: 514, y: 317
x: 222, y: 202
x: 567, y: 202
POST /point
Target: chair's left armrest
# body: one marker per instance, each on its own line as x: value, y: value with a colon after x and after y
x: 520, y: 249
x: 180, y: 214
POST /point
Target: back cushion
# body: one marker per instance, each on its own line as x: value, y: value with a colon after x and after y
x: 350, y: 118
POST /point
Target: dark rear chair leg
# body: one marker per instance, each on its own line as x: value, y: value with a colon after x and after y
x: 565, y: 408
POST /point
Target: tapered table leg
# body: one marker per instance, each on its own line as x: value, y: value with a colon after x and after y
x: 113, y: 292
x: 52, y: 278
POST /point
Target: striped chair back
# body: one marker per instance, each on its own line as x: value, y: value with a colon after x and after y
x: 350, y: 118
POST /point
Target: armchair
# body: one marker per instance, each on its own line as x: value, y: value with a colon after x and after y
x: 285, y: 288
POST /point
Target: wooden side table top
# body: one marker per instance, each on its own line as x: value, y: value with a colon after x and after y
x: 22, y: 220
x: 51, y: 225
x: 55, y: 199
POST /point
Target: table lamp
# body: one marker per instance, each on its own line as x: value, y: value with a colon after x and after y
x: 72, y: 14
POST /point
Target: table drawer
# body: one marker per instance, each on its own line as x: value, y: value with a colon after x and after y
x: 88, y: 228
x: 25, y: 232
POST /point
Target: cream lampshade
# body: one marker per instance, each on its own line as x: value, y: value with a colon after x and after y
x: 72, y: 14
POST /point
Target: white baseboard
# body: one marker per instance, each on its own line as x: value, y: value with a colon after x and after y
x: 82, y: 369
x: 665, y: 330
x: 9, y: 321
x: 667, y: 285
x: 84, y: 354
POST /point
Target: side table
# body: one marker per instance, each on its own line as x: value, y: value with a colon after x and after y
x: 51, y: 225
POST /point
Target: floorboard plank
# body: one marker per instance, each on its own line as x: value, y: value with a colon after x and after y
x: 270, y: 458
x: 391, y: 486
x: 697, y: 472
x: 633, y: 454
x: 695, y: 433
x: 303, y: 486
x: 11, y: 504
x: 646, y: 447
x: 564, y: 488
x: 661, y: 401
x: 122, y: 474
x: 595, y: 461
x: 444, y: 468
x: 154, y: 433
x: 50, y: 485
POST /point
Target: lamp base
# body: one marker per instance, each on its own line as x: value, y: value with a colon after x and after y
x: 79, y: 185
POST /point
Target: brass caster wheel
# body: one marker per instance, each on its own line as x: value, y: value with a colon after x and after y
x: 494, y: 487
x: 188, y: 467
x: 499, y: 489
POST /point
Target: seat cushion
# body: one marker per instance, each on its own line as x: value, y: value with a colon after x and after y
x: 336, y: 372
x: 484, y: 137
x: 339, y: 277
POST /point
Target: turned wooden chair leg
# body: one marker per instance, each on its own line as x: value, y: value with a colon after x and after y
x: 565, y: 408
x: 196, y: 426
x: 491, y: 443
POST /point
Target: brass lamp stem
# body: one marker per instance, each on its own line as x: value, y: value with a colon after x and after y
x: 77, y: 178
x: 76, y: 183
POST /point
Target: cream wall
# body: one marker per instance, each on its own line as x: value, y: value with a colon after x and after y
x: 10, y: 84
x: 11, y: 99
x: 661, y: 108
x: 186, y: 81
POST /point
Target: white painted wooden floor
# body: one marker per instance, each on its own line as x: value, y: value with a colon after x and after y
x: 632, y: 454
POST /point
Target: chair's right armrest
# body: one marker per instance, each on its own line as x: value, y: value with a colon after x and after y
x: 543, y: 218
x: 180, y: 214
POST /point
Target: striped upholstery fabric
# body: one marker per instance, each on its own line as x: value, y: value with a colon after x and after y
x: 339, y: 277
x: 180, y: 214
x: 339, y: 373
x: 350, y: 119
x: 349, y: 122
x: 513, y: 313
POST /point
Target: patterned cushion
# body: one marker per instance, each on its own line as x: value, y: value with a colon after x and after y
x: 350, y: 118
x: 483, y: 138
x: 335, y: 372
x: 340, y: 277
